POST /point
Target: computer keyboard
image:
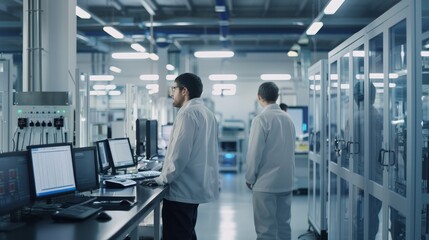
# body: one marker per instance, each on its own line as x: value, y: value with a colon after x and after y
x: 76, y: 212
x: 70, y: 200
x: 139, y: 175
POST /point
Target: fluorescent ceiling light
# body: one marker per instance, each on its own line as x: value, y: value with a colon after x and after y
x: 170, y: 67
x: 149, y: 77
x: 115, y: 93
x: 138, y: 47
x: 154, y: 57
x: 97, y: 93
x: 110, y: 87
x: 333, y: 6
x: 224, y: 89
x: 276, y: 77
x: 113, y: 32
x: 148, y: 7
x: 426, y: 46
x: 424, y: 53
x: 356, y: 53
x: 292, y: 54
x: 223, y: 77
x: 152, y: 86
x: 130, y: 55
x: 171, y: 77
x: 82, y: 13
x: 314, y: 28
x: 334, y: 76
x: 214, y: 54
x: 99, y: 87
x: 314, y: 77
x: 101, y: 77
x: 115, y: 69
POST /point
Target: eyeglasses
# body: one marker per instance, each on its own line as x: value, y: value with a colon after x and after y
x: 173, y: 88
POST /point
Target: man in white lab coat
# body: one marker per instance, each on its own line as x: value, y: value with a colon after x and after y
x: 191, y: 162
x: 270, y: 166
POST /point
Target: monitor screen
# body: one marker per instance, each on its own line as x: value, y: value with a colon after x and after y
x: 120, y: 152
x: 140, y: 136
x: 103, y: 160
x: 166, y: 132
x: 299, y: 115
x: 151, y: 139
x: 14, y: 182
x: 85, y: 168
x: 52, y: 169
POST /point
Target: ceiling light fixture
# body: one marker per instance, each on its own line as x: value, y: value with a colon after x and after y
x: 170, y: 67
x: 314, y: 28
x: 149, y: 77
x: 82, y: 13
x: 333, y: 6
x: 130, y: 55
x: 171, y: 77
x: 292, y: 53
x: 154, y: 56
x: 276, y: 77
x: 223, y: 77
x: 97, y: 93
x: 214, y: 54
x: 101, y: 77
x: 115, y: 69
x: 115, y: 93
x: 113, y: 32
x: 138, y: 47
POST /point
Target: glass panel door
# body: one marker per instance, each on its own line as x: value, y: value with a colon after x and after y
x: 334, y: 135
x: 355, y: 143
x: 344, y: 108
x: 395, y: 157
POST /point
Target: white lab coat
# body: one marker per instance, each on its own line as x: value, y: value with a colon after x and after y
x: 271, y: 151
x: 191, y: 162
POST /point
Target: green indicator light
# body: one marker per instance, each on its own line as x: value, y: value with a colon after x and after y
x: 64, y: 111
x: 19, y: 110
x: 58, y: 111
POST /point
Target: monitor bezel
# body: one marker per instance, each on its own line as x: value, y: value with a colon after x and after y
x: 31, y: 172
x: 93, y: 150
x: 28, y: 202
x: 141, y: 124
x: 111, y: 157
x: 149, y: 136
x: 101, y: 169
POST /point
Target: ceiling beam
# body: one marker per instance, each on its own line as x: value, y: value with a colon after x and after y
x: 189, y: 5
x: 266, y: 7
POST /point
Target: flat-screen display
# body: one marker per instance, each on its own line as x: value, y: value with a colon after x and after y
x: 299, y: 115
x: 52, y: 169
x: 120, y: 152
x: 14, y: 182
x: 151, y: 139
x: 140, y: 136
x: 85, y: 168
x: 103, y: 158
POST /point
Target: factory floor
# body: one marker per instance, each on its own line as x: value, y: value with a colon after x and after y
x: 231, y: 217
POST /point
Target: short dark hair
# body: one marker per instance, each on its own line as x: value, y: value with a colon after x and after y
x: 283, y: 106
x: 191, y: 82
x: 268, y: 91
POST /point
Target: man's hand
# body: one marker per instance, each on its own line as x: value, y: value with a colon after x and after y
x: 149, y: 182
x: 250, y: 186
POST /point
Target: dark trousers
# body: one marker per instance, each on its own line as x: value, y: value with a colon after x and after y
x: 178, y: 220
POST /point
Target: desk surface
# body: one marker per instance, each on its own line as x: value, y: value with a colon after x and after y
x: 118, y: 227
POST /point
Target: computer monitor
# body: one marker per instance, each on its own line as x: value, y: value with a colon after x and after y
x: 85, y: 168
x: 151, y: 139
x: 103, y: 158
x: 140, y: 136
x: 299, y: 115
x: 52, y: 169
x: 120, y: 153
x: 14, y: 182
x: 166, y: 132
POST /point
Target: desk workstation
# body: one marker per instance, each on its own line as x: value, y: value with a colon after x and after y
x: 42, y: 188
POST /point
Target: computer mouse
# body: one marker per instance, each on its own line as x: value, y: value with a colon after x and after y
x: 103, y: 216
